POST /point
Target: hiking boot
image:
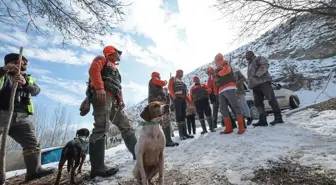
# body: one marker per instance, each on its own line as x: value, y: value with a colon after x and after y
x: 233, y: 122
x: 184, y: 129
x: 249, y: 121
x: 32, y: 160
x: 97, y: 157
x: 209, y: 120
x: 241, y: 124
x: 214, y: 123
x: 276, y: 121
x: 169, y: 141
x: 130, y: 142
x: 228, y: 126
x: 262, y: 121
x: 180, y: 130
x: 203, y: 127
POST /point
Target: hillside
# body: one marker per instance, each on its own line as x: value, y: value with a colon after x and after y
x: 301, y: 53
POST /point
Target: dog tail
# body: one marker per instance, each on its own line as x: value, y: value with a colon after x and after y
x: 70, y: 163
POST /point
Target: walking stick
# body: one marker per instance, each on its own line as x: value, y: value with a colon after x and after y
x: 6, y: 129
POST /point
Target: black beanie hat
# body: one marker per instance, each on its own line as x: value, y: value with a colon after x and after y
x: 12, y: 57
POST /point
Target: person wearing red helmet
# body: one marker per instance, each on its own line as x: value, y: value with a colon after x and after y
x: 199, y: 95
x: 178, y: 90
x: 157, y: 93
x: 105, y: 95
x: 226, y: 85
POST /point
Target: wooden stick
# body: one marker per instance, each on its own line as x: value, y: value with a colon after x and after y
x: 6, y: 129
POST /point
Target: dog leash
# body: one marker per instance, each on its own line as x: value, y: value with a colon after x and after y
x: 107, y: 130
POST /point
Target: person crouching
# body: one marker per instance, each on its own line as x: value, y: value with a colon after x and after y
x: 226, y: 84
x: 199, y: 94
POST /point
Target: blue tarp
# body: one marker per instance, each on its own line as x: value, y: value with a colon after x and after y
x: 49, y: 154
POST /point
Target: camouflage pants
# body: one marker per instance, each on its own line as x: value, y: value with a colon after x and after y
x: 106, y: 112
x: 22, y: 129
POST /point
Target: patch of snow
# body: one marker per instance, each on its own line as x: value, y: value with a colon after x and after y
x: 307, y: 136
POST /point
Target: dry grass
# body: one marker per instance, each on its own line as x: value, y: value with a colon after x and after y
x: 50, y: 179
x: 198, y: 176
x: 287, y: 172
x: 326, y: 105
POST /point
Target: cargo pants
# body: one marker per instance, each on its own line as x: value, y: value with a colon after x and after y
x: 106, y: 113
x: 22, y: 130
x: 227, y: 98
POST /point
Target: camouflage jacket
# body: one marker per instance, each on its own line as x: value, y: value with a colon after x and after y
x: 240, y: 78
x: 257, y: 72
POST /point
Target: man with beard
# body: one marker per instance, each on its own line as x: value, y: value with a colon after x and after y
x: 178, y: 90
x: 259, y: 80
x: 22, y: 127
x: 108, y: 107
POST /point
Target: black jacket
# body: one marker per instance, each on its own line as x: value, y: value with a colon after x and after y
x: 23, y: 93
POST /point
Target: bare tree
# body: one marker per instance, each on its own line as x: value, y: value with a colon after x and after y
x: 257, y: 16
x: 80, y: 20
x: 59, y: 121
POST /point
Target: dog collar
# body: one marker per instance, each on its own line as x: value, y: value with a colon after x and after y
x: 147, y: 123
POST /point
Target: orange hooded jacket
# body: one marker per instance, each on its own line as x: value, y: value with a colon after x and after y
x: 157, y: 81
x: 225, y: 69
x: 97, y: 66
x: 197, y: 86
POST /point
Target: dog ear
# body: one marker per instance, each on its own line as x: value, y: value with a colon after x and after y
x: 77, y: 133
x: 145, y: 115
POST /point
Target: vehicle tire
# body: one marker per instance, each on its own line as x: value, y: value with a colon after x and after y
x: 253, y: 110
x: 294, y: 102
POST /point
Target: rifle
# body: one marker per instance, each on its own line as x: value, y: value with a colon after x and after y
x: 6, y: 129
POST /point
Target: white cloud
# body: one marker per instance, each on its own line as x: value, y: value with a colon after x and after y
x: 61, y: 97
x: 139, y: 91
x: 56, y: 55
x: 188, y: 38
x: 38, y: 71
x: 78, y: 87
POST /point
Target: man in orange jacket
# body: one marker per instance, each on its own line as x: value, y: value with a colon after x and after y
x: 156, y: 93
x: 199, y: 95
x: 226, y: 85
x: 178, y: 90
x: 107, y: 101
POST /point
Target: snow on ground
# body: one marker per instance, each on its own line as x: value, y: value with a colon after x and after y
x: 309, y: 140
x: 307, y: 136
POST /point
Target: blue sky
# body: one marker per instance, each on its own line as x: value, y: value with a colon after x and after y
x: 156, y: 35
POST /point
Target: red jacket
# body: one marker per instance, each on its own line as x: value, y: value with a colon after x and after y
x: 212, y: 85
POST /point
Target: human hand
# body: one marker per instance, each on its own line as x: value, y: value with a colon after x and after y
x: 101, y: 95
x: 121, y: 104
x: 20, y: 79
x: 14, y: 68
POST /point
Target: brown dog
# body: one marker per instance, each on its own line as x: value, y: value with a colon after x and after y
x: 75, y: 153
x: 151, y: 144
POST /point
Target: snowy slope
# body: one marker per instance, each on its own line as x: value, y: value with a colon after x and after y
x: 307, y: 137
x: 306, y: 42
